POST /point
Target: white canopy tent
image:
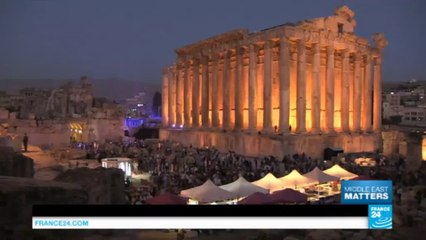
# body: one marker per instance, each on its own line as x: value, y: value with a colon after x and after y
x: 338, y: 171
x: 320, y: 176
x: 294, y: 180
x: 243, y: 188
x: 270, y: 182
x: 207, y: 193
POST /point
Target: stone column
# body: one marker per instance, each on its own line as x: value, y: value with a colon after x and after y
x: 357, y: 93
x: 316, y: 89
x: 301, y: 87
x: 226, y: 94
x: 344, y: 105
x: 252, y: 87
x: 196, y: 94
x: 377, y: 123
x: 179, y: 96
x: 293, y: 88
x: 186, y: 96
x: 172, y: 98
x: 329, y: 98
x: 165, y: 100
x: 284, y: 70
x: 267, y: 81
x: 215, y: 91
x: 239, y: 116
x: 367, y: 94
x: 205, y: 92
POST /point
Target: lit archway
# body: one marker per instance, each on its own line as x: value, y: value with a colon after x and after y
x: 76, y: 132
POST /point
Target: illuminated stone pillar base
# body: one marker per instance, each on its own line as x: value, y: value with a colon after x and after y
x: 259, y: 145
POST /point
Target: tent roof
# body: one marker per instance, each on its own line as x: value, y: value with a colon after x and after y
x: 243, y: 188
x: 338, y: 171
x: 255, y: 198
x: 320, y: 176
x: 288, y: 196
x: 295, y: 179
x: 208, y: 192
x: 269, y: 181
x: 167, y: 199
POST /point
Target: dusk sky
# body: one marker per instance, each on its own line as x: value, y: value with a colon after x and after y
x: 134, y: 40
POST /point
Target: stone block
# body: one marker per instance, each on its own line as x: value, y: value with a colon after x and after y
x: 15, y: 164
x: 104, y: 185
x: 17, y: 195
x: 391, y: 140
x: 4, y: 113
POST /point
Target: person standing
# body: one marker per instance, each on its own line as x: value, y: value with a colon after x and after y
x: 25, y: 141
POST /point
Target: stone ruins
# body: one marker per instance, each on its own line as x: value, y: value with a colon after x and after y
x: 57, y: 117
x: 289, y: 88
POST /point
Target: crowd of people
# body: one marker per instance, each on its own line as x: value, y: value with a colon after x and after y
x: 173, y: 167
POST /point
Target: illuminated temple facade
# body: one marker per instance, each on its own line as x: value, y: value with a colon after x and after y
x: 278, y: 90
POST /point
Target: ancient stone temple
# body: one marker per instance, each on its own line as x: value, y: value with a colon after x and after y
x: 290, y: 88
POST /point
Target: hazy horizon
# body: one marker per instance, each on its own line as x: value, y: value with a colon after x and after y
x: 112, y: 88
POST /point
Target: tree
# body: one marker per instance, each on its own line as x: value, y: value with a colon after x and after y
x: 156, y: 104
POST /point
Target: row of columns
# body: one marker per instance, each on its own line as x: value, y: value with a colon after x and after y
x: 177, y: 88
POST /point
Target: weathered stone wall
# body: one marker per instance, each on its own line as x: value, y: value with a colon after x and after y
x: 104, y: 185
x: 391, y: 142
x: 260, y: 145
x: 107, y: 129
x: 15, y: 164
x: 4, y: 113
x: 57, y: 133
x: 18, y: 195
x: 41, y: 139
x: 12, y: 141
x: 404, y: 144
x: 412, y: 150
x: 46, y: 133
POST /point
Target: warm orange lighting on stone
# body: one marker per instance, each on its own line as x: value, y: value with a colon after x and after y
x: 309, y: 89
x: 275, y: 117
x: 232, y: 118
x: 245, y: 118
x: 293, y: 91
x: 210, y: 117
x: 337, y: 121
x: 293, y: 119
x: 424, y: 148
x: 308, y: 120
x: 338, y: 96
x: 259, y: 119
x: 351, y: 97
x: 318, y: 81
x: 323, y: 92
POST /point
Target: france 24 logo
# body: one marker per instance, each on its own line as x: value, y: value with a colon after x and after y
x: 380, y: 216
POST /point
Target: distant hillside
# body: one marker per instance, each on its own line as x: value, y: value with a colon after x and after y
x: 391, y: 85
x: 112, y: 88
